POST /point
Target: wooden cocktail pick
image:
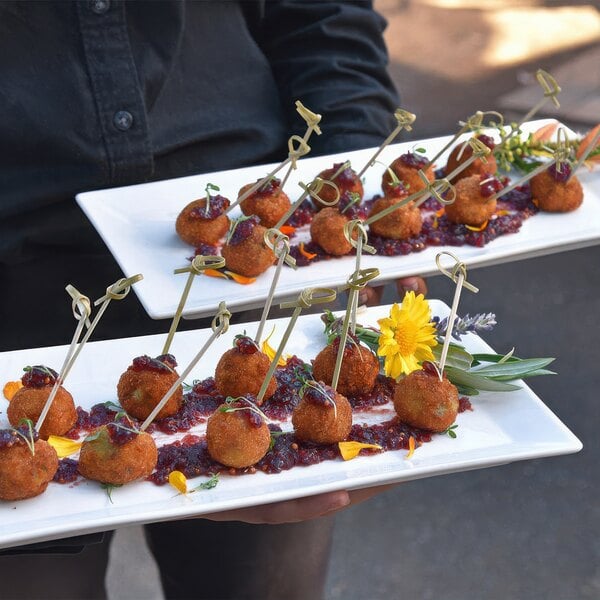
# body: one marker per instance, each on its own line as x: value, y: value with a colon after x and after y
x: 220, y: 324
x: 307, y: 298
x: 405, y: 120
x: 458, y: 274
x: 280, y: 244
x: 199, y: 263
x: 81, y: 311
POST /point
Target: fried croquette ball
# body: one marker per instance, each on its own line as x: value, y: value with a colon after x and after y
x: 237, y: 436
x: 406, y: 168
x: 401, y: 224
x: 463, y: 152
x: 347, y: 182
x: 472, y: 205
x: 327, y: 230
x: 323, y: 416
x: 245, y: 251
x: 242, y: 370
x: 553, y: 191
x: 116, y: 454
x: 196, y: 225
x: 423, y: 401
x: 28, y: 402
x: 269, y: 203
x: 145, y: 383
x: 23, y: 473
x: 358, y: 372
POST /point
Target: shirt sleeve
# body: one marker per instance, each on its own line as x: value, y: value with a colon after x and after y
x: 332, y: 57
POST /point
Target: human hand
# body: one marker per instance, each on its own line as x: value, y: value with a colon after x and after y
x: 300, y: 509
x: 371, y: 296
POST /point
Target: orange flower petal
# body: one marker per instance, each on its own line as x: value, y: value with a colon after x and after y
x: 270, y: 351
x: 179, y: 481
x: 543, y: 134
x: 480, y: 228
x: 411, y: 447
x: 240, y: 278
x: 587, y: 140
x: 502, y: 213
x: 535, y: 201
x: 287, y: 230
x: 440, y: 212
x: 215, y: 273
x: 11, y: 388
x: 350, y: 450
x: 306, y: 254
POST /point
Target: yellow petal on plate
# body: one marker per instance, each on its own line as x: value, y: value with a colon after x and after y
x: 179, y: 481
x: 64, y: 446
x: 11, y: 388
x: 411, y: 447
x: 270, y: 351
x: 350, y: 450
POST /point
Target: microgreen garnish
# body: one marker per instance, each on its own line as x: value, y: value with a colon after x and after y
x: 228, y: 408
x: 320, y: 389
x: 108, y: 488
x: 450, y: 431
x: 113, y: 406
x: 274, y: 436
x: 29, y: 436
x: 42, y: 368
x: 354, y: 199
x: 208, y: 188
x: 208, y: 485
x: 233, y: 226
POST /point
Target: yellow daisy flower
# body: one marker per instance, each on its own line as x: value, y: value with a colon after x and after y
x: 407, y: 336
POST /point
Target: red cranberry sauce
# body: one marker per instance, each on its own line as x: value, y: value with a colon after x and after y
x: 245, y: 344
x: 289, y: 381
x: 414, y: 160
x: 302, y: 215
x: 271, y: 187
x: 489, y: 185
x: 216, y: 207
x: 352, y: 208
x: 67, y: 471
x: 99, y: 414
x: 165, y: 363
x: 17, y: 436
x: 317, y: 392
x: 344, y: 179
x: 560, y: 172
x: 464, y: 404
x: 382, y: 392
x: 38, y: 376
x: 487, y: 140
x: 241, y: 229
x: 122, y: 430
x: 246, y: 407
x: 204, y: 250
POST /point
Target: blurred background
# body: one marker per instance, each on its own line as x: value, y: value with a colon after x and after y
x: 530, y: 529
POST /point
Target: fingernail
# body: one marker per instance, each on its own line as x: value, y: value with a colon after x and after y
x: 410, y: 287
x: 363, y: 297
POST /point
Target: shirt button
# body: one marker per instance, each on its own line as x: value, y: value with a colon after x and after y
x: 99, y: 6
x: 123, y: 120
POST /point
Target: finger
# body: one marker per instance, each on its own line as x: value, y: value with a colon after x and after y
x: 358, y: 496
x: 291, y: 511
x: 371, y: 296
x: 411, y: 284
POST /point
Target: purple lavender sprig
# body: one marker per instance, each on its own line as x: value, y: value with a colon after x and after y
x: 467, y: 324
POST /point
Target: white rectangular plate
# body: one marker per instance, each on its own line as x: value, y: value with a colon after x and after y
x: 138, y: 225
x: 501, y: 429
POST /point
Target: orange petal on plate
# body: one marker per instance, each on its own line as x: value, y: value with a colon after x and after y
x: 502, y: 213
x: 350, y: 450
x: 287, y: 230
x: 440, y: 212
x: 535, y: 201
x: 543, y: 134
x: 306, y: 254
x: 411, y: 447
x: 215, y: 273
x: 480, y: 228
x: 240, y: 278
x: 11, y: 388
x: 586, y: 141
x: 270, y: 351
x: 64, y: 446
x: 179, y: 481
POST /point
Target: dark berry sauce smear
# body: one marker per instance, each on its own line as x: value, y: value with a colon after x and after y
x: 67, y: 471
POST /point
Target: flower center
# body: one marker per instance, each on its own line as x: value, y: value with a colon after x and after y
x: 406, y: 337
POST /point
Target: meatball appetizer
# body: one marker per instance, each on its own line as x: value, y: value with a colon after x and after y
x: 242, y: 370
x: 346, y: 180
x: 472, y: 205
x: 406, y: 168
x: 327, y: 230
x: 203, y: 221
x: 555, y: 190
x: 145, y: 383
x: 463, y: 152
x: 237, y: 434
x: 245, y: 251
x: 28, y: 402
x: 269, y: 202
x: 403, y: 223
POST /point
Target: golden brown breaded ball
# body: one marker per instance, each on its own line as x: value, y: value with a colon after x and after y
x: 239, y: 438
x: 423, y: 401
x: 327, y: 230
x: 242, y: 370
x: 269, y: 203
x: 358, y: 372
x: 28, y: 403
x: 405, y: 222
x: 406, y: 168
x: 347, y: 182
x: 194, y: 229
x: 556, y: 196
x: 470, y: 207
x: 23, y: 474
x: 315, y: 419
x: 139, y: 390
x: 101, y: 459
x: 463, y: 152
x: 251, y: 256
